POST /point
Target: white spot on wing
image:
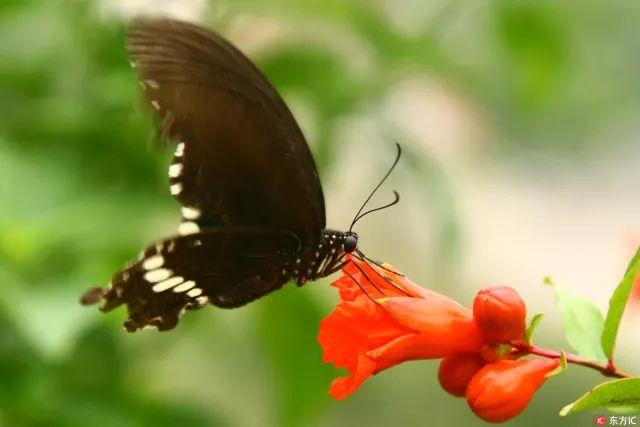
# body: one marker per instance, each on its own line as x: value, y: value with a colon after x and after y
x: 166, y: 284
x: 175, y: 189
x: 194, y: 292
x: 157, y: 275
x: 188, y: 227
x: 155, y: 104
x: 179, y: 150
x: 154, y: 262
x: 175, y: 170
x: 190, y: 213
x: 153, y: 84
x: 185, y: 286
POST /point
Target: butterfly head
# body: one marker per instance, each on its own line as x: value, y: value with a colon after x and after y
x: 350, y: 242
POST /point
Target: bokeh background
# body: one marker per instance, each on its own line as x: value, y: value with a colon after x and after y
x: 520, y: 125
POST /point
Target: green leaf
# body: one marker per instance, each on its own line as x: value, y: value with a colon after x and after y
x: 634, y: 261
x: 532, y: 326
x: 583, y: 324
x: 624, y: 393
x: 561, y: 367
x: 617, y: 304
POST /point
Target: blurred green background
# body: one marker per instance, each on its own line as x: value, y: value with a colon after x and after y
x: 519, y: 123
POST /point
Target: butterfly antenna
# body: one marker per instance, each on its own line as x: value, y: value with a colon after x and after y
x: 384, y: 178
x: 388, y: 205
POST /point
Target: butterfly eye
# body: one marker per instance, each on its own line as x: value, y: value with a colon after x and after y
x: 350, y: 243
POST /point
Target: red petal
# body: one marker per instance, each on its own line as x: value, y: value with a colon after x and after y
x: 445, y: 328
x: 344, y: 386
x: 353, y: 328
x: 432, y: 345
x: 405, y: 283
x: 424, y: 314
x: 374, y: 281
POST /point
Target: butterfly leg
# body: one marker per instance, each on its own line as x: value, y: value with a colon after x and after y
x: 363, y: 257
x: 337, y: 263
x: 383, y: 277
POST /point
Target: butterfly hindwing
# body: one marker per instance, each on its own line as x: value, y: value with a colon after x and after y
x: 241, y: 159
x: 227, y: 267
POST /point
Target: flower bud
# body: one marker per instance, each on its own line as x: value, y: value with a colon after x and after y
x: 455, y: 372
x: 500, y: 313
x: 500, y: 391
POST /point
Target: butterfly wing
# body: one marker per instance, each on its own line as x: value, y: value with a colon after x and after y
x: 226, y: 267
x: 241, y: 159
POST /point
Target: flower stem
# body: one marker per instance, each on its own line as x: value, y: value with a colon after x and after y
x: 605, y: 369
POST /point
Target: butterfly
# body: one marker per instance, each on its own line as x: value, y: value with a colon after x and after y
x: 253, y: 213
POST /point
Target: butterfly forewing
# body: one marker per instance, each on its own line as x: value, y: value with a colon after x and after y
x: 227, y: 267
x: 241, y: 159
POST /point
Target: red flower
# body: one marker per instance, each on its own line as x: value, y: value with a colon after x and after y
x: 501, y: 313
x: 384, y: 319
x: 406, y: 322
x: 502, y: 390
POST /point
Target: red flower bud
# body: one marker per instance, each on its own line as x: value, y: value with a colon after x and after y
x: 502, y: 390
x: 500, y: 313
x: 455, y: 372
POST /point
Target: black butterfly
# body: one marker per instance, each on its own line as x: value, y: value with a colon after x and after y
x: 253, y: 214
